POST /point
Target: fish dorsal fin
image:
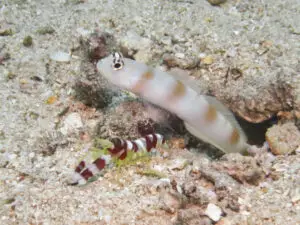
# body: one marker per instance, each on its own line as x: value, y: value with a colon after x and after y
x: 225, y: 112
x: 183, y: 76
x: 218, y: 105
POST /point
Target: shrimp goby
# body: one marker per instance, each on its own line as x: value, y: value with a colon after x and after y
x: 204, y: 116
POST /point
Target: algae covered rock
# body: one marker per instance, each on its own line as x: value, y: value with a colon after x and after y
x: 216, y: 2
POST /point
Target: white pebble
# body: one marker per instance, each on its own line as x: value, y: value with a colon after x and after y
x: 231, y: 52
x: 211, y: 195
x: 31, y: 155
x: 100, y: 214
x: 107, y: 218
x: 298, y: 150
x: 166, y: 180
x: 179, y: 55
x: 72, y: 122
x: 166, y: 154
x: 179, y: 189
x: 295, y: 195
x: 166, y: 40
x: 11, y: 156
x: 178, y: 164
x: 213, y: 212
x: 236, y: 32
x: 83, y: 32
x: 60, y: 56
x: 202, y: 55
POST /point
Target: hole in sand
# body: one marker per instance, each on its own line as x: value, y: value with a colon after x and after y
x: 256, y: 131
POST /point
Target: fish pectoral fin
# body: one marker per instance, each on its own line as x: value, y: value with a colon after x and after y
x: 226, y: 113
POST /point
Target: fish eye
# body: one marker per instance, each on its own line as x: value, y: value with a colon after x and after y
x: 117, y: 66
x: 118, y: 62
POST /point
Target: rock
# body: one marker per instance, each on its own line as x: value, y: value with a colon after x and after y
x: 136, y: 42
x: 93, y: 89
x: 136, y: 46
x: 207, y: 60
x: 3, y: 57
x: 224, y: 221
x: 198, y: 194
x: 96, y: 45
x: 177, y: 143
x: 179, y: 164
x: 242, y: 168
x: 60, y: 56
x: 283, y: 139
x: 251, y: 95
x: 6, y: 32
x: 216, y: 2
x: 83, y: 32
x: 93, y: 92
x: 298, y: 150
x: 179, y: 55
x: 171, y: 201
x: 27, y: 41
x: 192, y: 215
x: 132, y: 119
x: 127, y: 120
x: 220, y: 179
x: 45, y: 30
x: 71, y: 123
x: 289, y: 116
x: 153, y: 186
x: 295, y: 195
x: 143, y: 55
x: 181, y: 61
x: 214, y: 212
x: 200, y: 221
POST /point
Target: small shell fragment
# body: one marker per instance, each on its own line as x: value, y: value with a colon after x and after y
x: 60, y: 56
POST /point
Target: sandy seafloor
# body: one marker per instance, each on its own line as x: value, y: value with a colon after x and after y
x: 39, y: 150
